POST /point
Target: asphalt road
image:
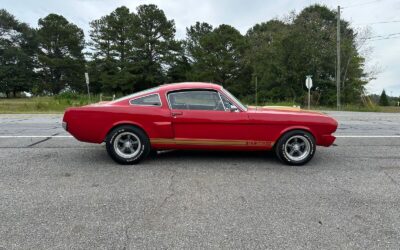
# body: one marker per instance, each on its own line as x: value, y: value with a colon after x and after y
x: 57, y: 193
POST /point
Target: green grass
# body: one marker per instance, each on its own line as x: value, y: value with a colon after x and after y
x: 286, y: 104
x: 58, y: 104
x: 382, y: 109
x: 39, y: 105
x: 357, y: 108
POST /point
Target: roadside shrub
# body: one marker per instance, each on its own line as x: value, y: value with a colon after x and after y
x: 41, y: 106
x: 67, y: 95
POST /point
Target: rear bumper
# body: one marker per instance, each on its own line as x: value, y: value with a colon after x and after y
x: 326, y: 140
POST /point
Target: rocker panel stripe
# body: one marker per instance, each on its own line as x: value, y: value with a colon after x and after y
x: 211, y: 142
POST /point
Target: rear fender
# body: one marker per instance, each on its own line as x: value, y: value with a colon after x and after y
x: 120, y: 123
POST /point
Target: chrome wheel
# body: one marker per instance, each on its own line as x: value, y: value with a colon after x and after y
x: 297, y: 148
x: 127, y: 145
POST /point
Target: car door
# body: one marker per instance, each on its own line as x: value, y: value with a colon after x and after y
x: 201, y: 119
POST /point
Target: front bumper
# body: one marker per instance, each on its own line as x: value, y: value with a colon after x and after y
x: 327, y: 140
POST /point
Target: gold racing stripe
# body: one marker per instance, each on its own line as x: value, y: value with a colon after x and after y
x: 211, y: 142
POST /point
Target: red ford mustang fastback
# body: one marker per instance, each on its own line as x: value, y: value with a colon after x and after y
x: 199, y: 116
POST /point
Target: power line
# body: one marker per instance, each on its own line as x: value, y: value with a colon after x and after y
x: 382, y: 22
x: 386, y: 38
x: 360, y: 4
x: 383, y: 36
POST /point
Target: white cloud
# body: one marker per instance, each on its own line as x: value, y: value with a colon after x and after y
x: 241, y: 14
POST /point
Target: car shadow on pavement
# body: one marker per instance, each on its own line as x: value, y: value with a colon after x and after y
x: 184, y: 158
x: 264, y: 159
x: 214, y: 157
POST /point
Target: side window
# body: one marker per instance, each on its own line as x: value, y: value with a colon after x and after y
x: 196, y: 100
x: 227, y: 103
x: 150, y: 100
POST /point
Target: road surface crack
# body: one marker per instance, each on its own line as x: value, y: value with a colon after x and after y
x: 126, y: 238
x: 38, y: 142
x: 170, y: 190
x: 391, y: 178
x: 155, y: 210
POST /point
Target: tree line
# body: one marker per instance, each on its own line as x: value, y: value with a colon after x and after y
x: 130, y: 51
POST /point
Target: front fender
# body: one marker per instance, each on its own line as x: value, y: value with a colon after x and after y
x: 297, y: 127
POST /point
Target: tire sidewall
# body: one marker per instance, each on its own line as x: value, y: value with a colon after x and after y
x: 281, y: 152
x: 144, y: 141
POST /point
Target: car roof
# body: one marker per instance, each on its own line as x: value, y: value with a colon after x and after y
x: 189, y: 85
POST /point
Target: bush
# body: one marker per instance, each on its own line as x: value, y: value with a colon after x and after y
x: 68, y: 96
x: 383, y: 100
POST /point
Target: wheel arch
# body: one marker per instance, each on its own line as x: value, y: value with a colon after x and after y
x: 293, y: 128
x: 124, y: 123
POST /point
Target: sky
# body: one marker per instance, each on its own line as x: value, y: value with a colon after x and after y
x: 380, y: 16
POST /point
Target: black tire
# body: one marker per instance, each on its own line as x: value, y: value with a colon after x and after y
x: 135, y: 136
x: 153, y: 153
x: 305, y: 147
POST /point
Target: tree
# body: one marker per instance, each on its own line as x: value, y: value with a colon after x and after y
x: 179, y: 67
x: 266, y: 55
x: 196, y: 51
x: 62, y: 64
x: 17, y: 55
x: 112, y: 47
x: 217, y: 55
x: 282, y: 53
x: 383, y: 100
x: 154, y: 45
x: 135, y: 50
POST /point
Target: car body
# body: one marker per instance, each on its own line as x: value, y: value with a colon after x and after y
x: 190, y: 116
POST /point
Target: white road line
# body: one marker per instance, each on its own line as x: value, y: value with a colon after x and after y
x: 36, y: 136
x: 69, y: 136
x: 367, y: 136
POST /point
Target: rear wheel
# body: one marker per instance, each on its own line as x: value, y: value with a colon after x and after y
x: 127, y: 145
x: 296, y: 147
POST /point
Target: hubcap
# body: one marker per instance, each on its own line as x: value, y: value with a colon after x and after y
x: 297, y: 148
x: 127, y: 145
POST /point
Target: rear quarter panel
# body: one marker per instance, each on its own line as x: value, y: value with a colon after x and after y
x: 92, y: 124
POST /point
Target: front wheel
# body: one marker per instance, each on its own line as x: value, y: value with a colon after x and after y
x: 296, y: 147
x: 127, y: 145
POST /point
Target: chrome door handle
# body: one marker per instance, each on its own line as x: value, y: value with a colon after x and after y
x: 177, y: 113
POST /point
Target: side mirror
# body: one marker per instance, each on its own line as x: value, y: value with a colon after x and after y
x: 233, y: 108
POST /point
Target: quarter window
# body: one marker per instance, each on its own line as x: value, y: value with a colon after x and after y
x: 196, y: 100
x: 150, y: 100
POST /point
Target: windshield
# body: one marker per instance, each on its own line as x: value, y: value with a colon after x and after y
x: 232, y: 97
x: 137, y: 94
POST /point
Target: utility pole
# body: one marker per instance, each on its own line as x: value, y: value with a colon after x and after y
x: 87, y: 84
x: 338, y: 59
x: 256, y: 91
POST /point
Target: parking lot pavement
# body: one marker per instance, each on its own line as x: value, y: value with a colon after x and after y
x: 350, y: 123
x: 60, y: 193
x: 367, y: 123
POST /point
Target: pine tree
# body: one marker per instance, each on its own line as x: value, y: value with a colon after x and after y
x: 112, y: 56
x: 383, y: 100
x: 217, y: 55
x: 62, y: 64
x: 134, y: 51
x: 17, y: 55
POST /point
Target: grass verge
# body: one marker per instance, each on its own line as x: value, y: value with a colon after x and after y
x: 39, y: 105
x: 58, y: 104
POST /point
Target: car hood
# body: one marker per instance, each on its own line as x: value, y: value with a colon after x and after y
x: 281, y: 109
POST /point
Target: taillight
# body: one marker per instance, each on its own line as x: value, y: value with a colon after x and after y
x: 65, y: 126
